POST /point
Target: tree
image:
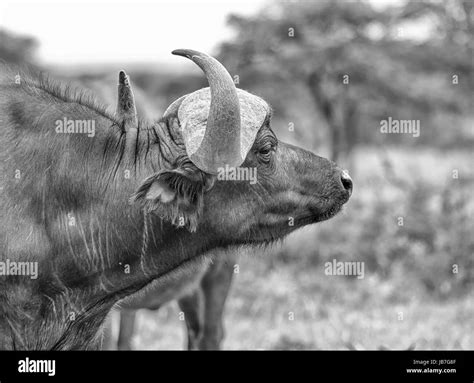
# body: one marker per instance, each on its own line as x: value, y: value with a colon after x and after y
x: 353, y: 60
x: 17, y: 49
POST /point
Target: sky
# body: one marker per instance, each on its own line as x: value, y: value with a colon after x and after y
x: 103, y: 31
x: 74, y: 32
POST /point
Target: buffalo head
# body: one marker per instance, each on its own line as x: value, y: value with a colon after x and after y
x: 230, y: 173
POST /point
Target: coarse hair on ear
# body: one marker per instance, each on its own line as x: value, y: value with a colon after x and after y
x: 176, y: 195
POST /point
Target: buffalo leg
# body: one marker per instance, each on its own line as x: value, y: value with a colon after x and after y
x: 127, y: 326
x: 192, y: 306
x: 107, y: 336
x: 215, y: 286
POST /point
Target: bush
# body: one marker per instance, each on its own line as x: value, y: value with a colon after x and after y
x: 423, y: 228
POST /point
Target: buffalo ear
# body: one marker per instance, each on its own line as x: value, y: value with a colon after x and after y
x: 155, y: 189
x: 175, y: 195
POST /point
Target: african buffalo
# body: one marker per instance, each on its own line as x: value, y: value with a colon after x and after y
x: 104, y: 204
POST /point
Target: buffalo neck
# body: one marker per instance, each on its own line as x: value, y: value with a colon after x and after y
x: 92, y: 246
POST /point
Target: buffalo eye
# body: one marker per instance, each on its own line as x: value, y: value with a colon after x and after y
x: 265, y: 152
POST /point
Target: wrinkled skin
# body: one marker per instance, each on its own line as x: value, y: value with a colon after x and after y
x: 294, y: 184
x: 201, y: 299
x: 115, y: 247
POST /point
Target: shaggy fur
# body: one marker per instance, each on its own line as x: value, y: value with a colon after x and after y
x: 65, y: 203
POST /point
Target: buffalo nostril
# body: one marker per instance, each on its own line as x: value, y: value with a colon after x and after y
x: 346, y: 181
